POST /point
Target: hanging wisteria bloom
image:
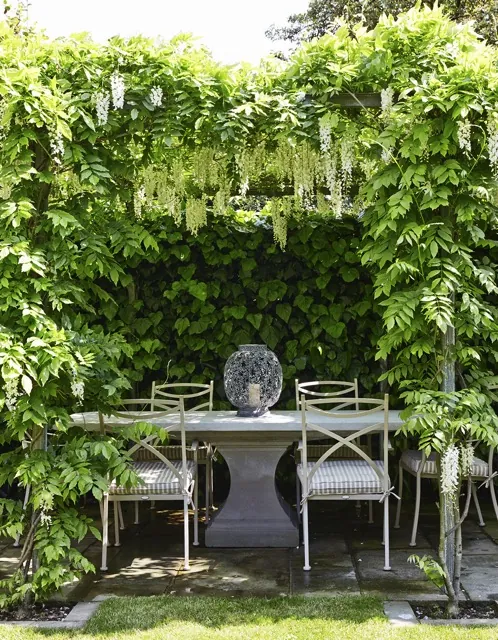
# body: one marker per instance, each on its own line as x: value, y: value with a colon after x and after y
x: 386, y: 102
x: 138, y: 200
x: 450, y: 470
x: 78, y: 389
x: 45, y: 518
x: 347, y: 160
x: 156, y: 96
x: 325, y: 134
x: 493, y: 142
x: 463, y: 133
x: 466, y: 459
x: 117, y: 90
x: 57, y: 147
x: 386, y: 154
x: 102, y: 101
x: 11, y: 391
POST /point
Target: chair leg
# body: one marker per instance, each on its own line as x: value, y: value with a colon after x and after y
x: 137, y: 513
x: 208, y: 487
x: 17, y: 541
x: 306, y: 538
x: 493, y: 497
x: 117, y: 543
x: 400, y: 494
x: 211, y: 483
x: 413, y: 541
x: 121, y: 519
x: 185, y: 535
x: 478, y: 506
x: 370, y: 512
x: 105, y: 531
x: 298, y: 499
x: 387, y: 563
x: 196, y: 513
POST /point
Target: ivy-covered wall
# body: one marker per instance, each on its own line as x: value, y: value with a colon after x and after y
x: 191, y: 303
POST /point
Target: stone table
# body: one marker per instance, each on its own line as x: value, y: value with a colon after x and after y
x: 254, y: 514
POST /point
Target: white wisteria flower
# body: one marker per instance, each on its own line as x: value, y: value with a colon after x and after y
x: 386, y: 101
x: 347, y: 159
x: 450, y: 470
x: 156, y: 96
x: 463, y: 133
x: 492, y: 127
x: 57, y: 147
x: 386, y: 154
x: 117, y: 90
x: 325, y: 134
x: 78, y: 389
x: 102, y: 101
x: 138, y: 200
x: 45, y: 518
x: 11, y: 391
x: 466, y: 459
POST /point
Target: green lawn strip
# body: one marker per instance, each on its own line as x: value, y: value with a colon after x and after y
x: 196, y: 618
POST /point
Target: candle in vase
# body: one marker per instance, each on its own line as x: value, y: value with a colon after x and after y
x: 254, y: 395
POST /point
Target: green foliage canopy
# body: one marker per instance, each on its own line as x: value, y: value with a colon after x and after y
x: 99, y: 142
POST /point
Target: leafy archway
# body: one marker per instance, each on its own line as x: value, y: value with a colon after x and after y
x: 398, y: 126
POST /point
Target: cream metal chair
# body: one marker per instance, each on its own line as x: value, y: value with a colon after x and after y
x: 315, y: 390
x: 197, y: 397
x: 161, y: 478
x: 362, y: 478
x: 417, y: 464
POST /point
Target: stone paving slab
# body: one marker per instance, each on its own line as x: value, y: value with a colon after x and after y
x: 480, y: 576
x: 236, y: 572
x: 330, y: 575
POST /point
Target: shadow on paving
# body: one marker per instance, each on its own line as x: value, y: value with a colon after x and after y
x: 346, y: 555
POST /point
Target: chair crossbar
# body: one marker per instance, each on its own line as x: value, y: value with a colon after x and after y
x: 312, y: 408
x: 353, y: 436
x: 324, y: 394
x: 165, y: 394
x: 162, y: 458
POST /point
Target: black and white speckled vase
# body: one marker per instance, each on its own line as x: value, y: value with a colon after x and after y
x: 253, y: 379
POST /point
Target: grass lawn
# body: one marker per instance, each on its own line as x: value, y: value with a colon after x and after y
x: 196, y: 618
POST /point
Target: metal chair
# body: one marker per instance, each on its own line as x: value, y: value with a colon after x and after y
x: 362, y: 478
x: 160, y: 478
x: 197, y: 397
x: 422, y: 467
x: 315, y: 390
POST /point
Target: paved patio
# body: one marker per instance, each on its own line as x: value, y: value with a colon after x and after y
x: 346, y: 556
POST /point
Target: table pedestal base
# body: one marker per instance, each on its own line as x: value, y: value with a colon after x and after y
x: 253, y: 515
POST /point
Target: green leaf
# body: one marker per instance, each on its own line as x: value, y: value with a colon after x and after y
x: 255, y: 319
x: 284, y: 311
x: 27, y: 384
x: 181, y: 325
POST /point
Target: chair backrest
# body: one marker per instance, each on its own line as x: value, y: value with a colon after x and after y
x: 345, y: 410
x: 173, y: 418
x: 196, y: 396
x: 325, y: 389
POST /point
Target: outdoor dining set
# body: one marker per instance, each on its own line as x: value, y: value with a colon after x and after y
x: 341, y: 446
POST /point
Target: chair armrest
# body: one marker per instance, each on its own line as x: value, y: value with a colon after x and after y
x: 390, y: 445
x: 195, y: 445
x: 299, y: 445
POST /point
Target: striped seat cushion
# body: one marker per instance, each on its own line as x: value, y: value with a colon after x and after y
x: 344, y: 477
x: 157, y: 479
x: 172, y: 452
x: 316, y: 451
x: 411, y: 460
